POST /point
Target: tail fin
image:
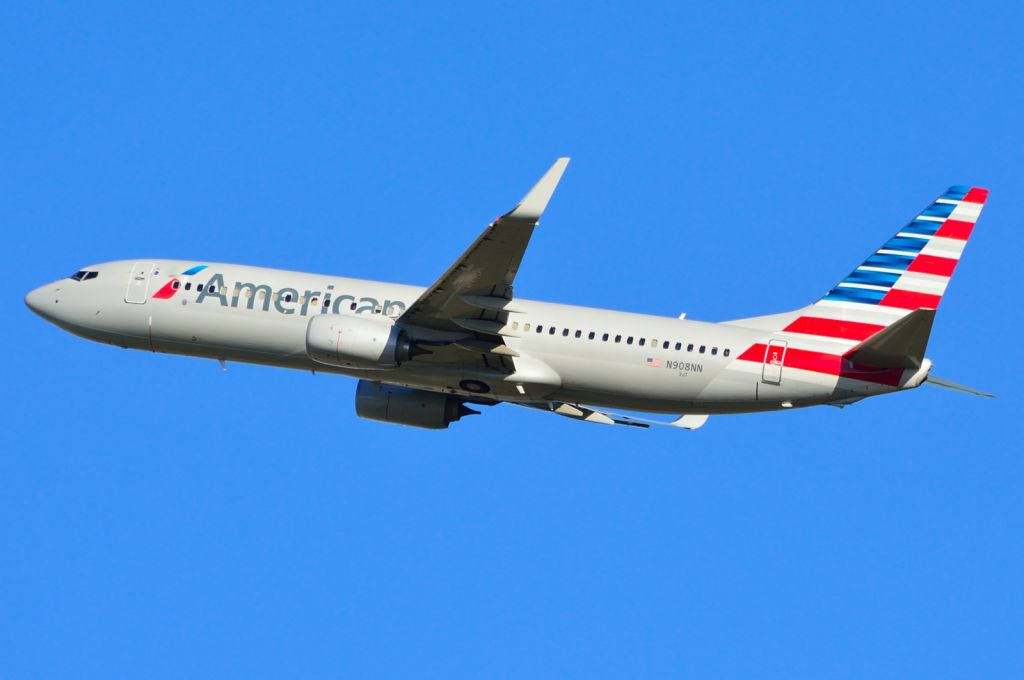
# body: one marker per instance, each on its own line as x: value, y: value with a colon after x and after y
x: 910, y: 271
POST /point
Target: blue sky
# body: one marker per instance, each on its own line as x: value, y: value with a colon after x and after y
x: 160, y: 517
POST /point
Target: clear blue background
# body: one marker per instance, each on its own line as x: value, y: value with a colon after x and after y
x: 159, y: 517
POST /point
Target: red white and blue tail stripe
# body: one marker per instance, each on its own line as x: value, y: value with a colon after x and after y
x: 908, y: 272
x: 911, y: 270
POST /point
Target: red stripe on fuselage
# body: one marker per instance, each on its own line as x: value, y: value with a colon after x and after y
x: 929, y: 264
x: 833, y: 328
x: 829, y: 364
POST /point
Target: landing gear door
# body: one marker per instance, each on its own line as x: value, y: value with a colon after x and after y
x: 774, y: 357
x: 138, y: 283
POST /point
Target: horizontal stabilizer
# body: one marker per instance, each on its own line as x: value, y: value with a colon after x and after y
x: 900, y: 345
x: 950, y: 385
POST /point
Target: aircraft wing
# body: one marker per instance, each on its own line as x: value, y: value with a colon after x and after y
x: 592, y: 415
x: 476, y: 290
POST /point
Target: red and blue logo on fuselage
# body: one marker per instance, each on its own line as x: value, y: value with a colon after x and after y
x: 172, y: 286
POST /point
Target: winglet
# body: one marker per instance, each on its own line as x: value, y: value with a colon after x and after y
x: 533, y: 204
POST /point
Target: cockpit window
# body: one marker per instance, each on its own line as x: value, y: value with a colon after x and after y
x: 78, y: 276
x: 84, y: 275
x: 90, y: 275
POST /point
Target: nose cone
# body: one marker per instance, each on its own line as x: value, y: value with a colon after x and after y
x: 36, y: 300
x: 47, y: 300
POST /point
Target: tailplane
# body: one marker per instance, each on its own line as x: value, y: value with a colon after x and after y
x: 900, y: 345
x: 950, y: 385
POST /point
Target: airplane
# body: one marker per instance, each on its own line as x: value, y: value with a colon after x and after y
x: 425, y: 357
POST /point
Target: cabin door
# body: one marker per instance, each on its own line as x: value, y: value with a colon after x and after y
x: 774, y: 356
x: 138, y: 283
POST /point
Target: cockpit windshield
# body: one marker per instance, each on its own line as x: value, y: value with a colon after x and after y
x: 84, y: 275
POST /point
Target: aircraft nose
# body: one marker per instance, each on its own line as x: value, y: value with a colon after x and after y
x: 41, y: 301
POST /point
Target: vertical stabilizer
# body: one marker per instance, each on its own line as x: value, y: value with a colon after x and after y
x: 908, y: 272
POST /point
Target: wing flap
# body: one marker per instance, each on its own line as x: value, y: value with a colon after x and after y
x: 592, y: 415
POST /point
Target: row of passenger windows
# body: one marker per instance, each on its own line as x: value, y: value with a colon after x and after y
x: 629, y: 339
x: 287, y: 297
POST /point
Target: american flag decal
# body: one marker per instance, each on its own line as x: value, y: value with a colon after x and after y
x: 652, y: 362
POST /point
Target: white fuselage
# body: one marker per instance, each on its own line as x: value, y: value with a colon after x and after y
x: 583, y: 355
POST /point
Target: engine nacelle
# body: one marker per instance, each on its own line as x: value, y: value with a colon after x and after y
x: 406, y: 406
x: 357, y: 341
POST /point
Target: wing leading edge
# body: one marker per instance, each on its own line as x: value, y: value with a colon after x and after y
x: 476, y: 290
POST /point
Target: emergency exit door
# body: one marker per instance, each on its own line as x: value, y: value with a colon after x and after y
x: 774, y: 358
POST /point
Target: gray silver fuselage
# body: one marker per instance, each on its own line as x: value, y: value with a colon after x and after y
x: 585, y: 355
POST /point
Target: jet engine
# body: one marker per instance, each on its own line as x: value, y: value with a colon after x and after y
x: 406, y: 406
x: 358, y: 342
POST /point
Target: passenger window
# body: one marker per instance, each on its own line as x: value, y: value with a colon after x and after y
x: 352, y: 306
x: 199, y: 287
x: 176, y: 285
x: 641, y: 343
x: 654, y: 342
x: 515, y: 325
x: 565, y: 333
x: 551, y: 331
x: 689, y: 348
x: 540, y: 329
x: 725, y: 352
x: 714, y: 351
x: 188, y: 286
x: 679, y: 346
x: 287, y: 297
x: 629, y: 340
x: 702, y: 347
x: 376, y: 310
x: 579, y: 334
x: 590, y: 335
x: 604, y: 338
x: 526, y: 327
x: 618, y: 338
